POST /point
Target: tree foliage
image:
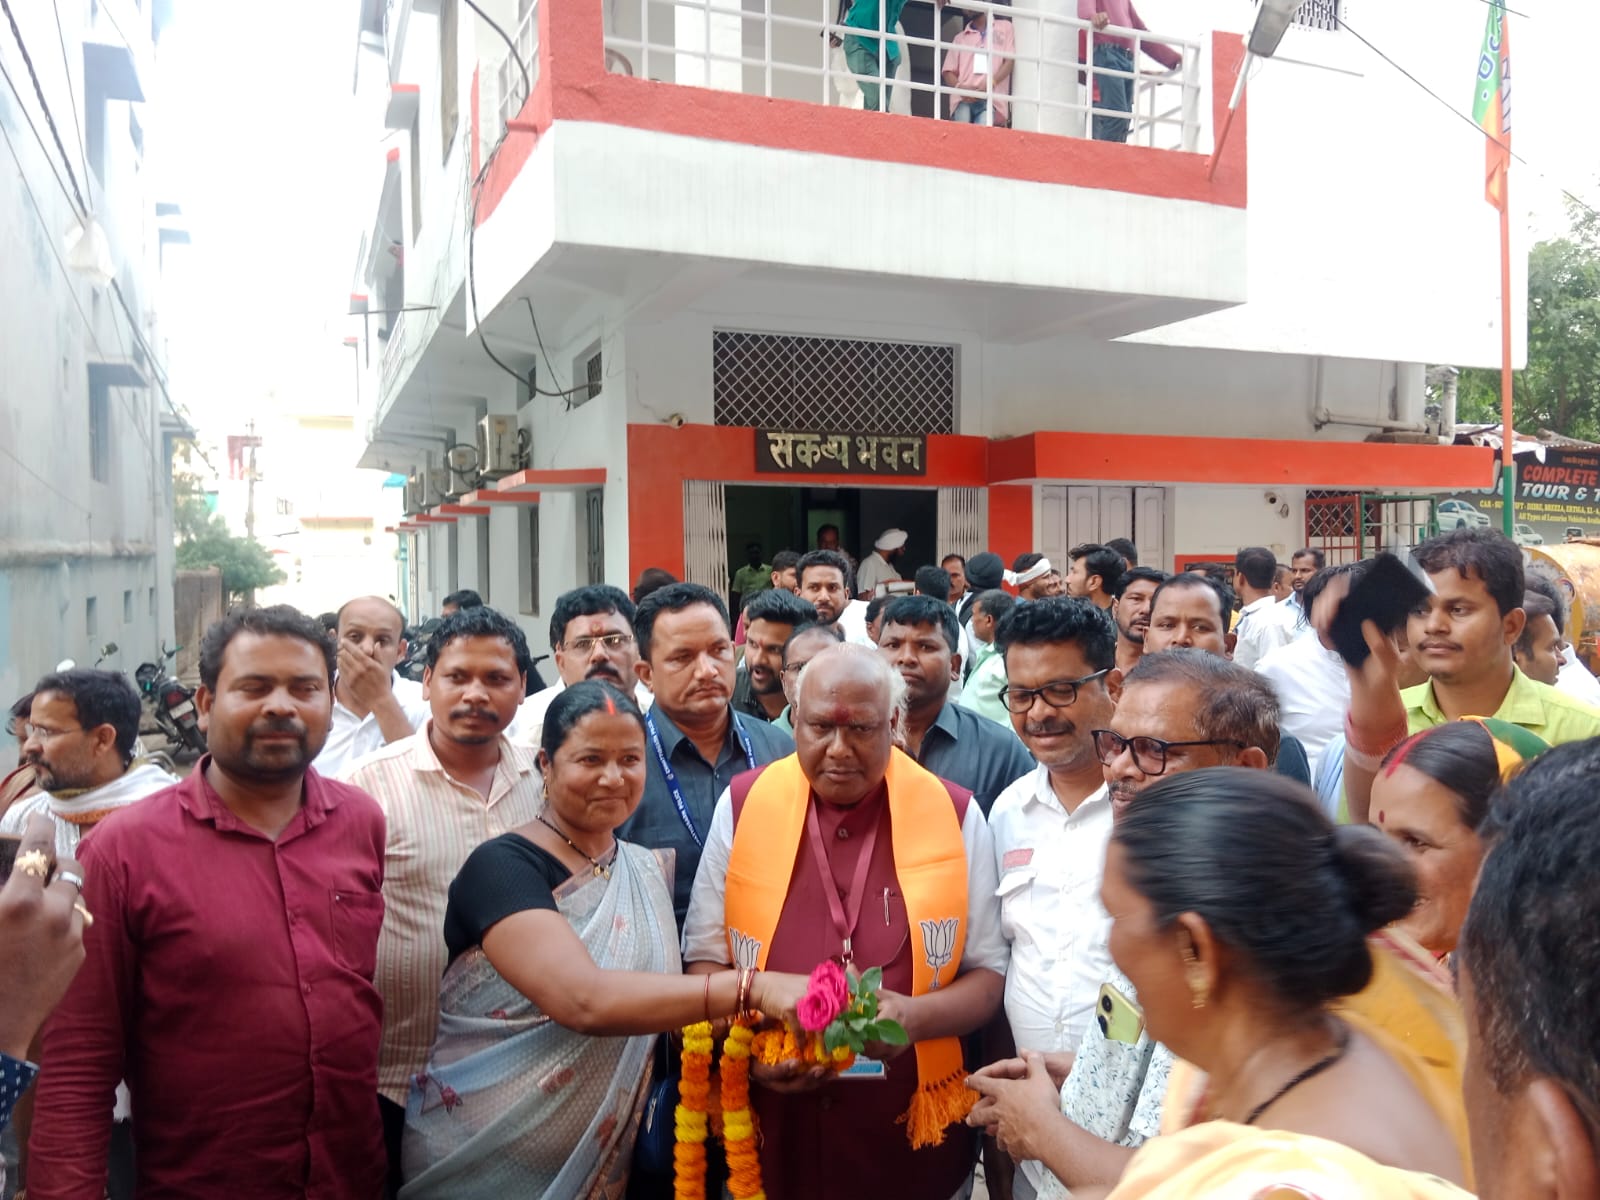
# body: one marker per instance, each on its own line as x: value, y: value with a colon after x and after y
x: 204, y: 541
x: 1559, y: 390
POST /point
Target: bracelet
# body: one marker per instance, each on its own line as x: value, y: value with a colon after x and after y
x: 747, y: 978
x: 708, y: 995
x: 1373, y: 747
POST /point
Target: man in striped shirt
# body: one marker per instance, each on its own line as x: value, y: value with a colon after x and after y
x: 451, y: 786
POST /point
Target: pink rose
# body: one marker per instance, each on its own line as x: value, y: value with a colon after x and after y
x: 827, y: 995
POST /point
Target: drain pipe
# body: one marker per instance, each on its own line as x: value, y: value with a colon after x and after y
x: 1321, y: 417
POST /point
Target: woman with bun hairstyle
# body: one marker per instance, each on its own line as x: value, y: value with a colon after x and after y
x: 1431, y: 796
x: 564, y: 966
x: 1241, y: 915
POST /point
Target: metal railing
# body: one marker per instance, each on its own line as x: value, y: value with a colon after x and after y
x: 503, y: 92
x: 795, y: 49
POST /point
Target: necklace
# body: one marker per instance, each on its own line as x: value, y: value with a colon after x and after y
x: 1311, y: 1072
x: 603, y: 870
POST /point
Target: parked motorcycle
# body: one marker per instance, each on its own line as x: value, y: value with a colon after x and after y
x: 416, y: 660
x: 172, y: 705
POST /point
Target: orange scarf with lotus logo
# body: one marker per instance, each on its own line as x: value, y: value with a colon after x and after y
x: 930, y: 863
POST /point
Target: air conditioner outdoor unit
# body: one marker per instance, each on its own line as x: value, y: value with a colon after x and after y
x: 438, y: 486
x: 416, y: 497
x: 461, y: 467
x: 499, y: 446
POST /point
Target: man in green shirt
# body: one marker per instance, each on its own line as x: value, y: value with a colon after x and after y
x: 1463, y: 638
x: 861, y: 53
x: 755, y: 576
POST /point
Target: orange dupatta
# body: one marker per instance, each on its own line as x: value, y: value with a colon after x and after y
x: 930, y: 862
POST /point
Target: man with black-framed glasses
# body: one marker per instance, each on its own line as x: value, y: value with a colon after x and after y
x: 1052, y: 826
x: 591, y: 636
x: 1179, y: 710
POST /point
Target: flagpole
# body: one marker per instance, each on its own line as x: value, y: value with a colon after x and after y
x: 1508, y: 469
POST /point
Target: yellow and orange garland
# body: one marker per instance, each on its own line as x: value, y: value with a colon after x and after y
x: 692, y: 1119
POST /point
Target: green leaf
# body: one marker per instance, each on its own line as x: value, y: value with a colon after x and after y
x: 890, y: 1032
x: 872, y: 980
x: 834, y: 1036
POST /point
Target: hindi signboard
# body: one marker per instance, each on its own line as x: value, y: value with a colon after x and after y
x: 790, y: 452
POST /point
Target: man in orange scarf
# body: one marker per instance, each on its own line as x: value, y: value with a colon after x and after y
x: 850, y: 850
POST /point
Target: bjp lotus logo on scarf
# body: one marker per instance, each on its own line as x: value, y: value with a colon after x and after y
x: 746, y: 949
x: 939, y: 944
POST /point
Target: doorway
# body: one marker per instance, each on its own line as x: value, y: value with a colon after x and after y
x: 787, y: 518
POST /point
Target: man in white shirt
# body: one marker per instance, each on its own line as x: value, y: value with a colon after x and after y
x: 591, y: 633
x: 1052, y: 826
x: 79, y: 738
x: 372, y: 705
x: 1309, y: 676
x: 1262, y: 626
x: 824, y: 581
x: 878, y: 567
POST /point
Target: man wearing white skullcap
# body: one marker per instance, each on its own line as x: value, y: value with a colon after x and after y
x: 878, y: 567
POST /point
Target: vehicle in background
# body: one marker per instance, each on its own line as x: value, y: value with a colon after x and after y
x: 1525, y: 535
x: 1458, y: 514
x: 172, y: 705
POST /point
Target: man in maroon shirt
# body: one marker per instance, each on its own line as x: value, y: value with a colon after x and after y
x: 228, y: 975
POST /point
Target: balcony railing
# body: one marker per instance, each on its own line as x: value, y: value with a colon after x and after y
x: 795, y: 49
x: 503, y: 91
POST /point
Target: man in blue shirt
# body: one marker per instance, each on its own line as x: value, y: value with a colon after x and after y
x: 696, y: 742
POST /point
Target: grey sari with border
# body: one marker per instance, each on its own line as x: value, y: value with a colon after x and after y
x: 513, y: 1104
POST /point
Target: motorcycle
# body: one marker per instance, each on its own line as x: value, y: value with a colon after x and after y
x: 416, y: 660
x: 172, y: 704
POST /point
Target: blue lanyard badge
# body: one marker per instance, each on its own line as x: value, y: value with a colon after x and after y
x: 671, y: 779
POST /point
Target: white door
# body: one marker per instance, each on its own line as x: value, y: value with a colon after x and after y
x: 963, y: 526
x: 1150, y: 522
x: 1073, y: 515
x: 705, y: 534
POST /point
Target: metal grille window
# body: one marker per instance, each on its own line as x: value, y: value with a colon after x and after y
x: 594, y: 374
x: 773, y: 381
x: 1318, y: 14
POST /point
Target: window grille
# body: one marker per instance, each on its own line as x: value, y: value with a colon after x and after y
x: 772, y: 381
x: 1318, y: 14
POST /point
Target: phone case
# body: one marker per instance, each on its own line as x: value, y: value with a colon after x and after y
x: 1118, y: 1017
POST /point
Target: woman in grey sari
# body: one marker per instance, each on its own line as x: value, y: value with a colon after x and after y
x: 564, y: 965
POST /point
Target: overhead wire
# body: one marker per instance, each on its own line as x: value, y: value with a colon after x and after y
x: 44, y: 105
x: 72, y: 92
x: 1504, y: 145
x: 529, y: 382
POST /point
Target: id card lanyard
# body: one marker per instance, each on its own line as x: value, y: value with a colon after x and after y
x: 671, y: 777
x: 846, y: 913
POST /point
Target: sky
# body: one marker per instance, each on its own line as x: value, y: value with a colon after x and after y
x: 276, y: 167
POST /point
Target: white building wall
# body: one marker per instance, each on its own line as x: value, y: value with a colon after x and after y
x: 66, y: 540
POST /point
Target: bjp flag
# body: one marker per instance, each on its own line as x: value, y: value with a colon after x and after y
x: 1491, y: 105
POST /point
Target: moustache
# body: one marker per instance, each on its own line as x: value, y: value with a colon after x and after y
x: 604, y: 670
x: 485, y: 714
x: 274, y: 727
x: 1050, y: 729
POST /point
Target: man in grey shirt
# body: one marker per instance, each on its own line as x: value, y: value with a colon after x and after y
x: 696, y: 744
x: 922, y: 641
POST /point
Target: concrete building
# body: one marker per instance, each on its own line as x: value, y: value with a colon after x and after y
x: 715, y: 288
x: 86, y: 424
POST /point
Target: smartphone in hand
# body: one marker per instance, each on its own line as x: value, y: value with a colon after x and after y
x: 1119, y: 1018
x: 1385, y: 594
x: 10, y: 846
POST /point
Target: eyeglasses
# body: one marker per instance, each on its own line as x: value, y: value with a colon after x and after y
x: 611, y: 642
x: 1058, y: 693
x: 40, y: 733
x: 1149, y: 754
x: 793, y: 668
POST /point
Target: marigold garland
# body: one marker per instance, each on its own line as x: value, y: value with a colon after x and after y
x: 779, y: 1045
x: 693, y: 1119
x: 690, y: 1120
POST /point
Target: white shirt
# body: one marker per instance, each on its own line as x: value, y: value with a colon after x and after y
x: 351, y: 737
x: 1261, y: 629
x: 527, y: 726
x: 1577, y: 680
x: 1050, y: 863
x: 1313, y: 691
x: 138, y: 781
x: 705, y: 937
x: 875, y: 570
x: 853, y: 621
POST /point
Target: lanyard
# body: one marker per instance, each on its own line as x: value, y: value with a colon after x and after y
x: 846, y: 914
x: 671, y: 777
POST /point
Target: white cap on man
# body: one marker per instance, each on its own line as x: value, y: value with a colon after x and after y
x: 890, y: 539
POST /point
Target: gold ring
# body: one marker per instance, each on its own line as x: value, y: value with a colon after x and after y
x: 82, y: 909
x: 35, y: 863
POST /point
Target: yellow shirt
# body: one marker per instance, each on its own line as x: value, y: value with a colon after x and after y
x: 1540, y: 709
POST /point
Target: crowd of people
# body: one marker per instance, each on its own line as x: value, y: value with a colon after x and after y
x: 976, y: 72
x: 1168, y: 898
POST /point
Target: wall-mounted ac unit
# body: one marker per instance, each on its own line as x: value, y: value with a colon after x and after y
x: 438, y: 486
x: 499, y: 446
x: 416, y: 495
x: 461, y: 468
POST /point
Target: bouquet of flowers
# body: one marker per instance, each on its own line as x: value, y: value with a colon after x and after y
x: 838, y: 1017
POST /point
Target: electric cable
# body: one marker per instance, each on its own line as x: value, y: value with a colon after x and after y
x: 49, y: 117
x: 72, y: 92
